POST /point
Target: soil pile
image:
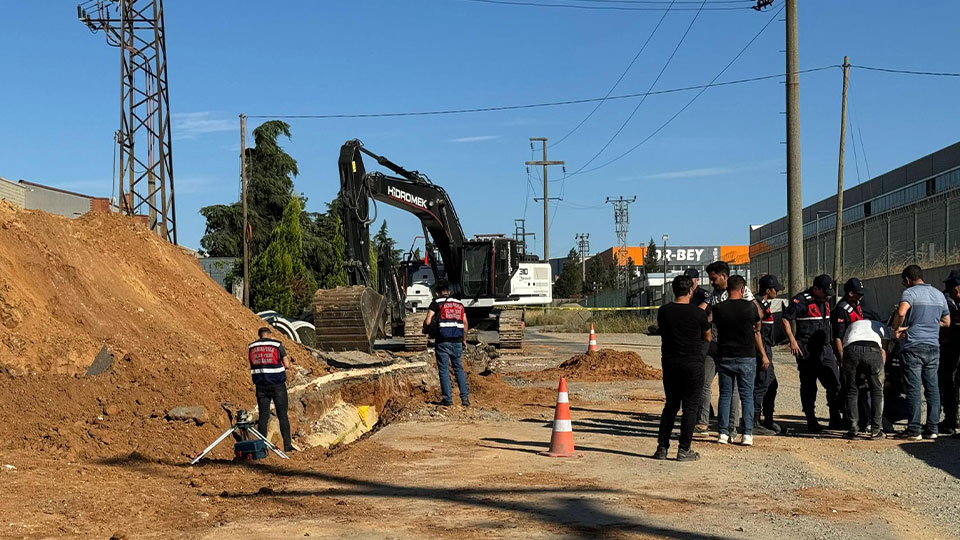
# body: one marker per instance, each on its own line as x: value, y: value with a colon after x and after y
x: 69, y: 288
x: 607, y: 365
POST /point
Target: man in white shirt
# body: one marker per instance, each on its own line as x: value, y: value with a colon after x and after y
x: 863, y: 352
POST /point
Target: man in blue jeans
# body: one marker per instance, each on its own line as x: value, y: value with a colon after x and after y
x: 919, y: 317
x: 738, y: 343
x: 447, y: 322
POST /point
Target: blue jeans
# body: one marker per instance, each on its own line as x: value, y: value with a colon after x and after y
x: 450, y: 353
x: 744, y: 372
x: 920, y: 364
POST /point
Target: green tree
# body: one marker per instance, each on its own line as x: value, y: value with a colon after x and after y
x: 280, y: 280
x: 570, y: 281
x: 650, y: 262
x: 600, y: 273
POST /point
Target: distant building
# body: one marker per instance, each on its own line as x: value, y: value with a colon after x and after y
x: 218, y: 268
x: 50, y: 199
x: 679, y: 258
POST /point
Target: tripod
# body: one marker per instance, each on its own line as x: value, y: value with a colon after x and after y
x: 241, y: 429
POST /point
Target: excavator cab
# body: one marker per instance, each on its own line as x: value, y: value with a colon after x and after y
x: 488, y: 265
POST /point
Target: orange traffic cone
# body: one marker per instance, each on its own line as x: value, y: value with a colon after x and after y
x: 592, y: 344
x: 561, y: 440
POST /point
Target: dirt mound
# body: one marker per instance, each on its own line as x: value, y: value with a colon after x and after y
x: 69, y: 288
x: 606, y: 365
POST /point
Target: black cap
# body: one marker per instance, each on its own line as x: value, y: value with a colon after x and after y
x: 853, y: 285
x: 825, y: 282
x: 692, y: 272
x: 954, y: 275
x: 769, y: 281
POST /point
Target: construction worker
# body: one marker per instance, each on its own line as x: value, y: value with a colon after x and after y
x: 447, y: 322
x: 765, y: 387
x: 847, y: 311
x: 268, y: 367
x: 812, y: 345
x: 949, y: 375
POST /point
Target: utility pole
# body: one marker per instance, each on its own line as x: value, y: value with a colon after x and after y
x: 794, y: 192
x: 837, y: 239
x: 621, y: 220
x: 583, y: 248
x: 520, y: 234
x: 546, y: 197
x: 243, y: 197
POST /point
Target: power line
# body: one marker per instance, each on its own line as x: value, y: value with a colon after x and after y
x: 604, y: 8
x: 908, y: 71
x: 644, y: 98
x: 622, y: 75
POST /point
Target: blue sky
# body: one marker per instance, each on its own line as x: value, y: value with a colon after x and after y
x: 703, y: 179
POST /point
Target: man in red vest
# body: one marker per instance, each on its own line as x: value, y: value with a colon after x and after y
x: 268, y: 368
x: 447, y: 323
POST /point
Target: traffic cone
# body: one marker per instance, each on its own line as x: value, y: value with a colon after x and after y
x: 561, y: 440
x: 592, y: 344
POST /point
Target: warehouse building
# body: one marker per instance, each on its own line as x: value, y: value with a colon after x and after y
x: 910, y: 215
x: 50, y: 199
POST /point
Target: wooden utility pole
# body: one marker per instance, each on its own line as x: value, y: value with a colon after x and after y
x: 838, y: 238
x: 794, y: 192
x: 546, y: 197
x: 243, y: 197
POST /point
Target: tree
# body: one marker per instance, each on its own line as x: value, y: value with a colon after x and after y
x: 280, y: 280
x: 651, y: 263
x: 631, y: 271
x: 601, y: 273
x: 570, y: 281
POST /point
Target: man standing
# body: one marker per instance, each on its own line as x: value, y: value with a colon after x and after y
x: 919, y: 317
x: 863, y: 352
x: 448, y: 319
x: 697, y: 295
x: 719, y: 273
x: 948, y: 376
x: 683, y: 331
x: 812, y: 346
x: 765, y: 388
x: 847, y: 311
x: 738, y: 342
x: 268, y: 367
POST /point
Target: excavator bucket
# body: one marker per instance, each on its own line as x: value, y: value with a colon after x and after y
x: 348, y: 318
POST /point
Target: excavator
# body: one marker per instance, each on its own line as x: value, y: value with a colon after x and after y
x: 489, y: 273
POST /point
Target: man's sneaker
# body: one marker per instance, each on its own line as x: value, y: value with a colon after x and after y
x: 701, y: 429
x: 851, y: 435
x: 661, y: 453
x: 877, y: 435
x: 747, y: 440
x: 929, y: 435
x: 465, y: 404
x: 814, y: 427
x: 687, y: 455
x: 772, y: 426
x: 723, y: 439
x: 906, y: 435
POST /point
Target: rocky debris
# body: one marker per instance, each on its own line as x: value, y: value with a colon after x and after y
x: 481, y: 358
x: 352, y: 359
x: 195, y: 414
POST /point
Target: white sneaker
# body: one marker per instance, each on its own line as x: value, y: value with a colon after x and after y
x: 724, y: 439
x: 747, y: 440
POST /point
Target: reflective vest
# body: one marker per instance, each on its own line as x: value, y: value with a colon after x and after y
x: 813, y: 324
x: 450, y: 315
x: 844, y: 315
x: 766, y: 329
x: 266, y: 365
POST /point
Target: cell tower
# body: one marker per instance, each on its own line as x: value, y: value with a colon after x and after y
x: 583, y: 250
x: 621, y: 217
x: 146, y: 160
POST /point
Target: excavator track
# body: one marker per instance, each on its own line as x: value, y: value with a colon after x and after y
x: 413, y: 337
x: 510, y: 327
x: 347, y: 318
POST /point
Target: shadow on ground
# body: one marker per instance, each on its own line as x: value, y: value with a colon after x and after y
x: 941, y: 454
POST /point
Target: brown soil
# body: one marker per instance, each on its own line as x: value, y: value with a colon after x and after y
x: 603, y: 365
x: 68, y: 288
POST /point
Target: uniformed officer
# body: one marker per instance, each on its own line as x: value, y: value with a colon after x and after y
x: 268, y: 368
x: 812, y: 345
x: 765, y: 387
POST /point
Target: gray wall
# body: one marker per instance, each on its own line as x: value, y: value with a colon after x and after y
x: 55, y: 201
x: 883, y: 293
x: 12, y: 192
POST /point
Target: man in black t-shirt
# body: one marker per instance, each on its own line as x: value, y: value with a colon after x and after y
x: 683, y: 330
x: 738, y: 342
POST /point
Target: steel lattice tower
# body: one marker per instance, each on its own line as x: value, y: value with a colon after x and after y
x: 146, y: 161
x: 621, y: 218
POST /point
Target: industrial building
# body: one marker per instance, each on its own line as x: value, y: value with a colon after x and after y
x: 910, y: 215
x: 50, y: 199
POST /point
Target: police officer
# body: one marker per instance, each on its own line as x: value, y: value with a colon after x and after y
x: 948, y: 375
x: 812, y: 345
x: 268, y: 367
x: 447, y: 321
x: 848, y: 311
x: 765, y: 386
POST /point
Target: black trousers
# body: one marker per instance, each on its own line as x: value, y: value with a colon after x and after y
x: 277, y: 393
x: 949, y: 380
x: 682, y: 384
x: 867, y: 360
x: 819, y: 364
x: 765, y: 388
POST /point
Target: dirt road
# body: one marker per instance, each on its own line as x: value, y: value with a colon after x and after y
x: 476, y: 474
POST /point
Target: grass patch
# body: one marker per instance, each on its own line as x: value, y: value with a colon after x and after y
x: 609, y: 322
